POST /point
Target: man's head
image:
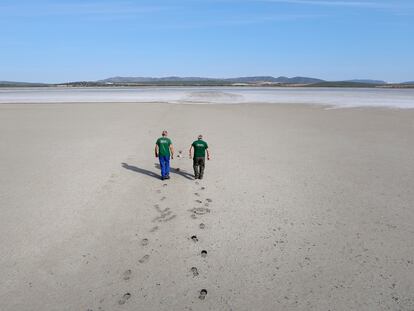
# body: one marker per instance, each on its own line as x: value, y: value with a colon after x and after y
x: 200, y: 136
x: 164, y: 133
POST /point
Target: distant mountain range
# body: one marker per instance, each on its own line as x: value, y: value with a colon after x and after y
x: 367, y: 81
x: 22, y: 84
x: 200, y: 81
x: 254, y: 79
x: 150, y: 79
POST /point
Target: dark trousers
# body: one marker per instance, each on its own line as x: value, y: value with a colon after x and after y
x: 198, y: 165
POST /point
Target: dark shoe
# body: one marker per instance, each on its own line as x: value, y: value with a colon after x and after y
x: 162, y: 177
x: 167, y: 177
x: 195, y: 177
x: 201, y: 177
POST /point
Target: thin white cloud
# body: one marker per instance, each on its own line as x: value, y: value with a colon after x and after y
x: 240, y: 21
x: 67, y: 9
x: 391, y: 5
x: 360, y: 4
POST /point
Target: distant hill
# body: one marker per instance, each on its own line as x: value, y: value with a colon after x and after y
x: 284, y: 80
x: 342, y: 84
x: 254, y: 79
x: 367, y: 81
x: 20, y: 84
x: 203, y: 81
x: 299, y: 80
x: 150, y: 79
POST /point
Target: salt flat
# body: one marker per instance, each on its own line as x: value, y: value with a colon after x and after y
x: 303, y: 208
x: 331, y: 96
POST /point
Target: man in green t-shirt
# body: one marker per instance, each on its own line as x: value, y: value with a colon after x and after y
x: 163, y: 151
x: 199, y: 160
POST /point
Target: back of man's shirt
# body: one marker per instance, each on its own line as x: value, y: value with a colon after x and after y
x: 200, y: 147
x: 163, y: 144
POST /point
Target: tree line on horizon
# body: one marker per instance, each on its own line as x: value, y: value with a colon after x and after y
x: 200, y: 81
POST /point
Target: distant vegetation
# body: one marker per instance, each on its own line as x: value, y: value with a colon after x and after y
x: 343, y: 84
x: 378, y: 82
x: 21, y: 84
x: 175, y: 80
x: 262, y: 81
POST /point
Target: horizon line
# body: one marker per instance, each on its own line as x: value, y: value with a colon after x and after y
x: 209, y: 78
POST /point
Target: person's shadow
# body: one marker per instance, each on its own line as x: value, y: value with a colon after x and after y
x: 177, y: 171
x: 140, y: 170
x: 155, y: 175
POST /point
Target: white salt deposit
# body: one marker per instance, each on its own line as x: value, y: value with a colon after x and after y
x: 336, y: 97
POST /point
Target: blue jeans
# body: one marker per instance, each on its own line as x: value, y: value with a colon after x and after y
x: 165, y: 165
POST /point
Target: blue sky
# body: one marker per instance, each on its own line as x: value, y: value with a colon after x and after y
x: 57, y: 41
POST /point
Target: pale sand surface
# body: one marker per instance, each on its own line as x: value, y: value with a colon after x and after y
x: 312, y: 209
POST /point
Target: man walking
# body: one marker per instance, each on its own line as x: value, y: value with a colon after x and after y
x: 199, y: 160
x: 163, y: 151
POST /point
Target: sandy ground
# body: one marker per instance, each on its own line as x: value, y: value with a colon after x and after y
x: 303, y: 208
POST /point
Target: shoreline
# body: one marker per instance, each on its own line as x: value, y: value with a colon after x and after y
x: 301, y: 105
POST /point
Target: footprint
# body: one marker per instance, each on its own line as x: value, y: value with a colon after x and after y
x: 163, y: 198
x: 165, y: 185
x: 124, y: 298
x: 165, y: 212
x: 197, y: 183
x: 194, y: 238
x: 209, y: 200
x: 198, y: 201
x: 163, y: 216
x: 194, y: 270
x: 158, y: 191
x: 203, y: 294
x: 169, y: 218
x: 203, y: 188
x: 153, y: 229
x: 197, y: 194
x: 144, y: 242
x: 206, y: 204
x: 159, y: 210
x: 200, y: 210
x: 204, y: 253
x: 127, y: 275
x: 193, y: 216
x: 202, y: 226
x: 144, y: 259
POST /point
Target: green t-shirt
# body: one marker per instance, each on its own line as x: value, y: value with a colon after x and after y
x: 200, y: 147
x: 163, y: 144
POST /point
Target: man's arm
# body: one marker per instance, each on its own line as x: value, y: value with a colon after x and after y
x: 208, y: 154
x: 156, y: 151
x: 172, y: 151
x: 190, y: 151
